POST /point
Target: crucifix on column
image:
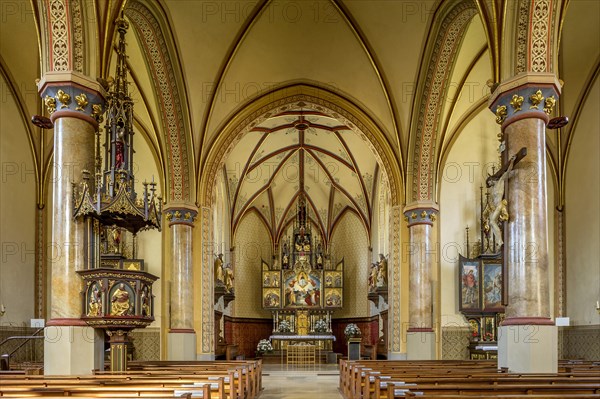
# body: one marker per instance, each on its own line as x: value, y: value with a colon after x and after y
x: 498, y: 183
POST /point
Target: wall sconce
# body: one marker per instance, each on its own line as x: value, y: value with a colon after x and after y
x: 2, y: 310
x: 598, y: 306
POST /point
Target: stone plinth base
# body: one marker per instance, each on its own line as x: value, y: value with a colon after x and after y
x: 73, y: 350
x: 528, y: 348
x: 181, y: 346
x: 420, y: 345
x: 396, y: 356
x: 205, y: 356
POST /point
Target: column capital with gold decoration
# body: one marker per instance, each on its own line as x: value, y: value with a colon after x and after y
x: 73, y: 95
x: 527, y: 95
x: 421, y: 212
x: 181, y: 213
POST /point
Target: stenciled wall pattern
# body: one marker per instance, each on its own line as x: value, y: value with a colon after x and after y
x: 146, y: 344
x: 581, y: 342
x: 252, y: 243
x: 455, y: 343
x: 350, y: 241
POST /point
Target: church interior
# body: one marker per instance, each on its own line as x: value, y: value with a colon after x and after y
x: 328, y: 182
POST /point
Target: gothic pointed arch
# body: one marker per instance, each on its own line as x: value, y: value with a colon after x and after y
x: 151, y: 26
x: 448, y: 30
x: 310, y: 98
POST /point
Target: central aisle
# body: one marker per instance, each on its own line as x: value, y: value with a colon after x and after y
x: 286, y: 382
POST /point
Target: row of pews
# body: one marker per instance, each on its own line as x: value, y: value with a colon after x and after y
x: 367, y: 379
x: 240, y: 379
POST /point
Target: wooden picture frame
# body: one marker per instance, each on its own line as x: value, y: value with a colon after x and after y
x: 469, y: 281
x: 492, y: 287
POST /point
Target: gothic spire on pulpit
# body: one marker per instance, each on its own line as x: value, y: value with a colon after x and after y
x: 110, y: 196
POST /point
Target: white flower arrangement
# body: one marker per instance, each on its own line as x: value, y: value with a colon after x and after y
x: 264, y: 345
x: 320, y: 326
x: 352, y: 330
x: 284, y: 326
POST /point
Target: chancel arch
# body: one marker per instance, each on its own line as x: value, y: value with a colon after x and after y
x: 301, y: 144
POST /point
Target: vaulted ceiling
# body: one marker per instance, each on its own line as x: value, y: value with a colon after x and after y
x: 226, y: 54
x: 301, y: 152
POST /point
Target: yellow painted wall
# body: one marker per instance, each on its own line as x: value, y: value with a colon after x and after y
x: 17, y: 211
x: 582, y: 207
x: 149, y: 242
x: 465, y: 170
x: 350, y: 241
x: 252, y: 243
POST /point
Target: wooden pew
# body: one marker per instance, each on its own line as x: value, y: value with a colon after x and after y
x: 223, y: 380
x: 380, y: 379
x: 248, y: 377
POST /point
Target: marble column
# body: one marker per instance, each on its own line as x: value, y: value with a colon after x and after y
x: 70, y: 347
x: 527, y: 339
x: 181, y: 339
x: 420, y: 336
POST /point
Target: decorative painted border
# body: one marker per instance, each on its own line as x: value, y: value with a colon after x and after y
x: 162, y: 70
x: 395, y: 295
x: 78, y: 35
x: 436, y: 84
x: 560, y: 297
x: 207, y: 310
x: 60, y: 37
x: 522, y: 34
x: 539, y: 37
x: 40, y: 261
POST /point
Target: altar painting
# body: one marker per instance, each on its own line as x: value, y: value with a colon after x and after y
x: 333, y: 298
x: 492, y: 286
x: 271, y: 298
x: 302, y: 289
x: 470, y: 297
x: 271, y: 279
x: 333, y: 279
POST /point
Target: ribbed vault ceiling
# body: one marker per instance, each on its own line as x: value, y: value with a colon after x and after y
x: 301, y: 152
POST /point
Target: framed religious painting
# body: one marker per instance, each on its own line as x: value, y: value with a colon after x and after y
x: 469, y: 272
x: 271, y: 298
x: 491, y: 285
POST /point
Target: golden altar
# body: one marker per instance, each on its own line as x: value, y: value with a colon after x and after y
x: 320, y: 342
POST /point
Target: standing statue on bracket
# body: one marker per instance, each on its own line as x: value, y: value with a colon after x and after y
x: 382, y: 272
x: 219, y: 272
x: 373, y: 276
x: 499, y: 211
x: 228, y: 272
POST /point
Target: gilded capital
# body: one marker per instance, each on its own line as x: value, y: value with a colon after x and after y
x: 527, y: 95
x: 421, y: 213
x: 73, y: 95
x: 181, y: 215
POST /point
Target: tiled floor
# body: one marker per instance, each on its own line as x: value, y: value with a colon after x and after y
x: 316, y: 382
